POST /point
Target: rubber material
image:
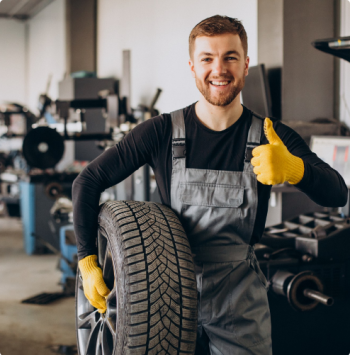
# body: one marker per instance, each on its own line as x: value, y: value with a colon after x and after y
x: 155, y: 288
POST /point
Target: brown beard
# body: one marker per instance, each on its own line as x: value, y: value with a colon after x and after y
x: 224, y: 99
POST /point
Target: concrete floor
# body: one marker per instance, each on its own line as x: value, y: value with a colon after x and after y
x: 24, y: 328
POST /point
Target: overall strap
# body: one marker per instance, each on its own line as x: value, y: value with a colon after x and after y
x: 178, y: 140
x: 253, y: 140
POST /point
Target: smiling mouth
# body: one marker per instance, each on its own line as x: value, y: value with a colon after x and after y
x: 220, y: 83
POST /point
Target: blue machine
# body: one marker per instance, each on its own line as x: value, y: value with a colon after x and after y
x: 39, y: 226
x: 69, y: 254
x: 28, y: 215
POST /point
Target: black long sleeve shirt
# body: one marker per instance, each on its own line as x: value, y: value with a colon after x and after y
x: 151, y: 142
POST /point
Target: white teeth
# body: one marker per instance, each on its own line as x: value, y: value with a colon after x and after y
x: 219, y: 83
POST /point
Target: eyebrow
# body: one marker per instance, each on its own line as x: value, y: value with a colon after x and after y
x: 211, y: 54
x: 233, y: 52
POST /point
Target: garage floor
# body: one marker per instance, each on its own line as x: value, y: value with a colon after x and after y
x: 24, y: 328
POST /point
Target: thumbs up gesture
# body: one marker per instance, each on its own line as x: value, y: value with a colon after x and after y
x: 273, y: 163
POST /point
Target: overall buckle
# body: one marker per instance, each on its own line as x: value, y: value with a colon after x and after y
x: 249, y: 151
x: 179, y: 148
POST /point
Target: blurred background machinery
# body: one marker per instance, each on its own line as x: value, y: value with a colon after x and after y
x: 40, y: 161
x: 306, y: 261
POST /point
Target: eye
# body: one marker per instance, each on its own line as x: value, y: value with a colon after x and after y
x: 231, y: 58
x: 205, y: 59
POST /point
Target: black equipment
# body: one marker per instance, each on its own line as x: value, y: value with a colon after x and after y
x: 54, y: 190
x: 318, y: 234
x: 339, y: 46
x: 109, y: 104
x: 43, y: 147
x: 303, y: 291
x: 306, y: 261
x: 17, y: 109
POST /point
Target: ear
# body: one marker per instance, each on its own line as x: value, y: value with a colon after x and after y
x: 190, y: 63
x: 246, y: 66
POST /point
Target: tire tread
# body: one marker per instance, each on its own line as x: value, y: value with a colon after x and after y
x: 160, y: 283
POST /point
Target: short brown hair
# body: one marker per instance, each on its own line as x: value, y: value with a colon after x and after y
x: 218, y: 25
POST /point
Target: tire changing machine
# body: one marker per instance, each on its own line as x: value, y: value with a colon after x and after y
x: 306, y: 261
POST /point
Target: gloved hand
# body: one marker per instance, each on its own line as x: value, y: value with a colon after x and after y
x: 273, y: 163
x: 95, y: 289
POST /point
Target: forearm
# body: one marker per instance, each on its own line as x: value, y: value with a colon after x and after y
x: 323, y: 185
x: 86, y: 198
x: 320, y: 182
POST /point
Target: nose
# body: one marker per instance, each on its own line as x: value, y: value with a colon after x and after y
x: 219, y: 67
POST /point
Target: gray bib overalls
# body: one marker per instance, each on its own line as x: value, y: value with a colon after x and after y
x: 218, y: 209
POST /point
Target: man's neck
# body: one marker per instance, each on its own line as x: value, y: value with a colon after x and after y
x: 218, y: 118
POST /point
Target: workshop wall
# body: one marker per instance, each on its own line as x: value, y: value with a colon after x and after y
x: 345, y: 66
x: 12, y: 61
x: 156, y: 32
x: 46, y: 51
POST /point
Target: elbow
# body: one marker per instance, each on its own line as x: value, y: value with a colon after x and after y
x: 339, y: 195
x: 341, y: 199
x: 86, y: 187
x: 344, y: 197
x: 74, y: 190
x: 333, y: 197
x: 76, y: 187
x: 344, y: 194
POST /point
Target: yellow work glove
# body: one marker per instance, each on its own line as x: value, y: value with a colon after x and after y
x: 273, y: 163
x: 95, y: 289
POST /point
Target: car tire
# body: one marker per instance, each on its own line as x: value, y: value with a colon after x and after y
x: 147, y: 264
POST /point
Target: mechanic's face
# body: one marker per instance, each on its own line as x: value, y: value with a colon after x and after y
x: 219, y: 66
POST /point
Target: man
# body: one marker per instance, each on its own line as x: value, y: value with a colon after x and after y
x: 218, y: 182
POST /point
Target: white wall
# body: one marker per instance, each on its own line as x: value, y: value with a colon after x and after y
x: 156, y: 32
x: 345, y: 66
x: 46, y: 51
x: 12, y: 61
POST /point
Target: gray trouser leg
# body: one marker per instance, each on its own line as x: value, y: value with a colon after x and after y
x: 234, y: 315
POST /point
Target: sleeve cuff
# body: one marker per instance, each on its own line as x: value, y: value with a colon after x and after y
x: 305, y: 181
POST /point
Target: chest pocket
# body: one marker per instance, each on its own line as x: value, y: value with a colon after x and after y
x: 211, y: 195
